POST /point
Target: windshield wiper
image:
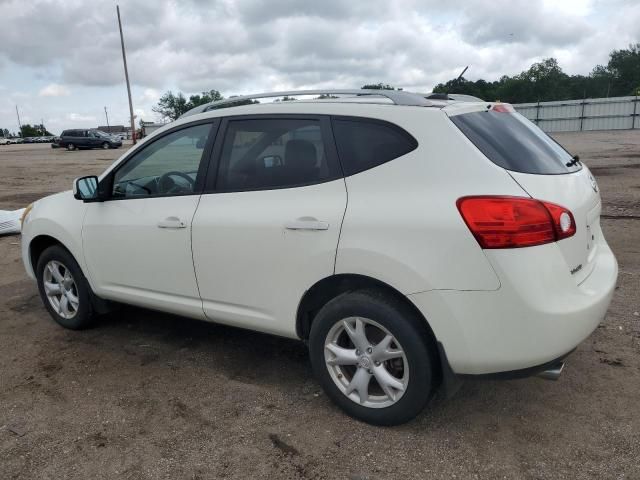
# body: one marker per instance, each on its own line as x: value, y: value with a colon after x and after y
x: 575, y: 161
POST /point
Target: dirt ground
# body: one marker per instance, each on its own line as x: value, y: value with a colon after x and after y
x: 148, y: 395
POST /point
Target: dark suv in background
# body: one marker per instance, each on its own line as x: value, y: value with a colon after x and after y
x: 72, y: 139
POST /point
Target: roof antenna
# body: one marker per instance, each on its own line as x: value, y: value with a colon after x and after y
x: 460, y: 76
x: 445, y: 95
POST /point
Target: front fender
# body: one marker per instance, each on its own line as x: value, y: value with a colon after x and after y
x: 59, y: 216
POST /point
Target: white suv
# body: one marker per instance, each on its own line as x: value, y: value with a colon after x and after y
x: 410, y: 242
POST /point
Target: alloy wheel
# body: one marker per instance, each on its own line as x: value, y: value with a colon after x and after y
x: 366, y: 362
x: 61, y: 290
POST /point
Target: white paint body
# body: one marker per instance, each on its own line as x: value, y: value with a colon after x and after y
x: 236, y: 263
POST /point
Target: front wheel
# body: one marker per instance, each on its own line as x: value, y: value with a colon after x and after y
x: 105, y: 146
x: 63, y: 289
x: 71, y: 147
x: 371, y: 355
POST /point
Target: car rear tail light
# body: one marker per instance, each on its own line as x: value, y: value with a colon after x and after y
x: 514, y: 222
x: 503, y: 108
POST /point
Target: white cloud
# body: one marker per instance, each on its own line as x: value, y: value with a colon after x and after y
x: 77, y: 117
x: 244, y: 46
x: 54, y: 90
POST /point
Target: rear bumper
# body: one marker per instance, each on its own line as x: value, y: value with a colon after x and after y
x: 537, y: 316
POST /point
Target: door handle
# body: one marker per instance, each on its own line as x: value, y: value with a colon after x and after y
x: 172, y: 222
x: 307, y: 223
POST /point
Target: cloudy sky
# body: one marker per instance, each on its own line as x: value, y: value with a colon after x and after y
x: 60, y: 60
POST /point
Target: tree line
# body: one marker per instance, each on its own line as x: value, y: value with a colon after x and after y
x: 543, y: 81
x: 27, y: 130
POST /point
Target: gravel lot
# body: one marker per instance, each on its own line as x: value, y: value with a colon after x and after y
x: 148, y: 395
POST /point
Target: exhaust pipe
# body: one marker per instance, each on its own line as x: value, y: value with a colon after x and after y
x: 553, y: 373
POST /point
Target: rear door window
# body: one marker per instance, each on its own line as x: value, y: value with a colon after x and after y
x: 512, y: 142
x: 366, y: 143
x: 262, y: 154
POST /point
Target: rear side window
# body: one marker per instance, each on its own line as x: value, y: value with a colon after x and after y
x: 364, y: 144
x: 273, y: 153
x: 511, y: 141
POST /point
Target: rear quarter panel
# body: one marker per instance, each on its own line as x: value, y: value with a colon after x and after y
x: 402, y: 225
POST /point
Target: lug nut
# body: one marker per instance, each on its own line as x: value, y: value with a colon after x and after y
x: 369, y: 350
x: 377, y: 364
x: 357, y: 352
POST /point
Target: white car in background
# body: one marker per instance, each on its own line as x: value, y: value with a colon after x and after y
x: 410, y: 242
x: 4, y: 141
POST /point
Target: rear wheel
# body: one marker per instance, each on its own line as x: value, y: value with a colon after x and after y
x: 371, y: 356
x: 105, y: 146
x: 71, y: 147
x: 64, y: 289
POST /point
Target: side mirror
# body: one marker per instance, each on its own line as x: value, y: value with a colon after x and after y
x: 86, y: 189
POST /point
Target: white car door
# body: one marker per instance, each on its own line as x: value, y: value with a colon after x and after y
x: 267, y: 227
x: 137, y: 243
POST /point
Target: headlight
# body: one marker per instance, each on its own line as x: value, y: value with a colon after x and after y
x: 25, y: 213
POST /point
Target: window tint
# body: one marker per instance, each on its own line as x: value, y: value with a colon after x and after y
x: 272, y: 153
x: 364, y: 144
x: 513, y: 142
x: 168, y: 166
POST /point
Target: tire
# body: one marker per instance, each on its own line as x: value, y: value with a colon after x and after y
x: 105, y: 146
x: 382, y: 315
x: 79, y: 315
x: 71, y: 147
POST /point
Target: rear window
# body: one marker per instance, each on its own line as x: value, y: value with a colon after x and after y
x: 364, y: 144
x: 511, y: 141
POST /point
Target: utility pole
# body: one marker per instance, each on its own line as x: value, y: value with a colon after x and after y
x: 106, y: 115
x: 19, y: 124
x: 126, y: 76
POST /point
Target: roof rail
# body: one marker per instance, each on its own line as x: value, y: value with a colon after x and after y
x: 398, y: 97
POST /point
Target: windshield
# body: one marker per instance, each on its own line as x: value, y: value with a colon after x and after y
x: 100, y: 133
x: 513, y: 142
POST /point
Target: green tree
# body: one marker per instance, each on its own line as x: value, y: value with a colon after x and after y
x: 545, y: 81
x: 379, y: 86
x: 624, y: 68
x: 28, y: 130
x: 171, y: 106
x: 205, y: 97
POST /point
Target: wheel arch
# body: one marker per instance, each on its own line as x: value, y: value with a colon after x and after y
x: 39, y: 244
x: 330, y: 287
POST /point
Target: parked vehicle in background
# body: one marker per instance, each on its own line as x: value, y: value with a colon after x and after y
x: 470, y: 245
x: 4, y: 141
x: 55, y: 142
x: 88, y: 138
